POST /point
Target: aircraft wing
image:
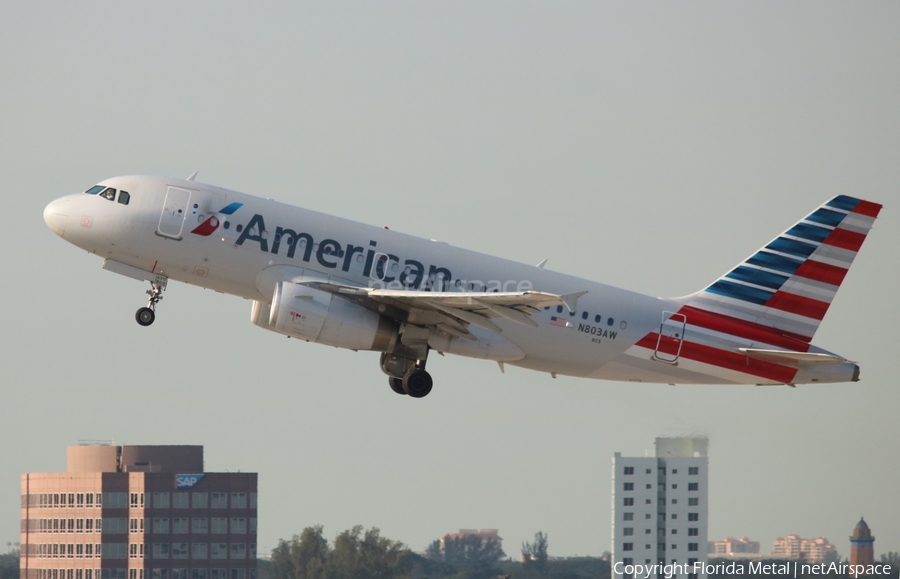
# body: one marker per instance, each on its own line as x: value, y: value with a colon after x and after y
x: 453, y: 311
x: 792, y: 356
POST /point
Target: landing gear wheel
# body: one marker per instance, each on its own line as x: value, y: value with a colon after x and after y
x: 397, y: 385
x: 145, y: 316
x: 417, y: 383
x: 405, y: 366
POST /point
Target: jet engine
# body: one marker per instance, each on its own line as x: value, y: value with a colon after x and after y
x: 318, y: 316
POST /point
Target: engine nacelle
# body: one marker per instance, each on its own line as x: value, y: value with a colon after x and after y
x: 317, y: 316
x: 259, y: 315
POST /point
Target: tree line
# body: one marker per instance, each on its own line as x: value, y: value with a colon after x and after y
x: 355, y: 554
x: 9, y: 565
x: 360, y: 553
x: 365, y: 554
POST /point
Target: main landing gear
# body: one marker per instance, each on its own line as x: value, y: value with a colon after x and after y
x: 145, y: 316
x: 405, y: 367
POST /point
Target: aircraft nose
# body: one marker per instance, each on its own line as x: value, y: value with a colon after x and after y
x: 55, y: 216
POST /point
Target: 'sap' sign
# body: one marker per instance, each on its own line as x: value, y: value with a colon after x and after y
x: 187, y: 481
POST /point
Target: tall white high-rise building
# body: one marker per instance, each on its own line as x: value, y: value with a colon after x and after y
x: 659, y: 506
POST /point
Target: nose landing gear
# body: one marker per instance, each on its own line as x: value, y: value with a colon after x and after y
x: 146, y: 315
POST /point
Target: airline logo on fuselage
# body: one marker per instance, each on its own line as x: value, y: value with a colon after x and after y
x: 212, y: 223
x: 376, y: 265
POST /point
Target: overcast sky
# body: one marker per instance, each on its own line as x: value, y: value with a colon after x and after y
x: 649, y: 145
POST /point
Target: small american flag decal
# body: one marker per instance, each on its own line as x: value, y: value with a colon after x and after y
x: 562, y: 323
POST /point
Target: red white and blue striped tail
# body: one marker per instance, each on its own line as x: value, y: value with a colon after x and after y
x: 789, y: 284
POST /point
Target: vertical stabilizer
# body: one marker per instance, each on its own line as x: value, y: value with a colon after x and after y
x: 789, y: 284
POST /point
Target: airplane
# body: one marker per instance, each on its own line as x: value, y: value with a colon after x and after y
x: 341, y: 283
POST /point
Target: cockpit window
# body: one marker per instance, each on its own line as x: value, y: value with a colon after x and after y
x: 109, y: 193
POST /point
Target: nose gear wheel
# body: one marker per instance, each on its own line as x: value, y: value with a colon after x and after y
x: 147, y: 315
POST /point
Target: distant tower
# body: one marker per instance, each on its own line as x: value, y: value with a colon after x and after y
x: 862, y: 550
x: 659, y: 507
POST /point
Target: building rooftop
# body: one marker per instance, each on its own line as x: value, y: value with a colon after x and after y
x: 861, y: 531
x: 681, y: 447
x: 110, y: 458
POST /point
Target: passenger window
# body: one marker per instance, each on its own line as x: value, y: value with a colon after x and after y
x: 124, y: 197
x: 610, y: 322
x: 109, y: 193
x: 597, y: 319
x: 584, y: 316
x: 95, y: 189
x: 558, y: 309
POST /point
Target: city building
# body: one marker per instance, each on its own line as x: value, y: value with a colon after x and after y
x: 787, y: 547
x: 812, y: 550
x: 138, y: 512
x: 862, y: 545
x: 731, y: 547
x: 659, y: 505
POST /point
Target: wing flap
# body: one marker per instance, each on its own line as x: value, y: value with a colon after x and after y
x: 511, y: 314
x: 469, y: 300
x: 469, y: 316
x: 464, y: 307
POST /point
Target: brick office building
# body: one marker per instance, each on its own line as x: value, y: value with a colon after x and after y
x: 138, y: 512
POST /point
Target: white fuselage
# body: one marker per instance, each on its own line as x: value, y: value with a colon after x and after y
x: 264, y: 241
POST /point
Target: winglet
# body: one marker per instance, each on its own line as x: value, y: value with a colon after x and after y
x: 542, y: 264
x: 572, y: 299
x: 194, y: 174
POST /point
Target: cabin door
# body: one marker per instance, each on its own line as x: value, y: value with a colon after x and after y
x: 175, y: 208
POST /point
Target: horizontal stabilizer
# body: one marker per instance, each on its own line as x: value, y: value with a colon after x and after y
x: 807, y: 358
